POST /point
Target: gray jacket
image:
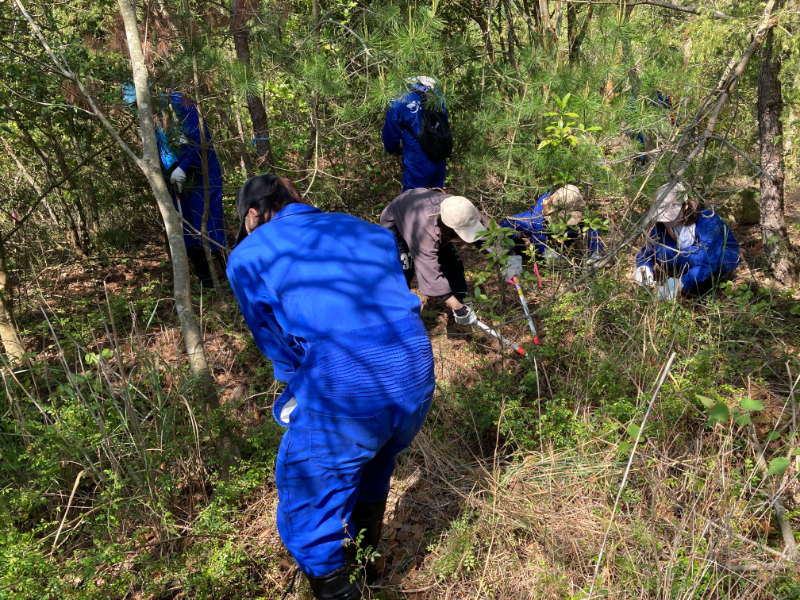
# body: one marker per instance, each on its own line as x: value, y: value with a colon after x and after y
x: 409, y: 217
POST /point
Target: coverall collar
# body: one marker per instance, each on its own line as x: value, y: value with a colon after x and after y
x: 295, y: 208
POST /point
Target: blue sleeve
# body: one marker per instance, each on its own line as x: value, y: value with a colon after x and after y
x: 647, y: 255
x: 282, y: 349
x: 532, y: 224
x: 190, y: 152
x: 392, y: 133
x: 168, y: 157
x: 713, y: 239
x: 594, y: 242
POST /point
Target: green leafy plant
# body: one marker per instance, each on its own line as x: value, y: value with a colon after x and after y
x: 562, y: 131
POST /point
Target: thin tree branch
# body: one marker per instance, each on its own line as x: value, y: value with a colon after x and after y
x: 58, y: 183
x: 64, y: 69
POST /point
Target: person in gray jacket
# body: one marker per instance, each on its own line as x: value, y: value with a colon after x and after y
x: 425, y: 222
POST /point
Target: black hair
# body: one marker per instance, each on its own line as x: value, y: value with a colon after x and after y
x: 268, y: 194
x: 690, y: 212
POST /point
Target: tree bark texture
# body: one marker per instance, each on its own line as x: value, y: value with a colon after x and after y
x: 512, y: 35
x: 206, y: 182
x: 12, y: 342
x: 258, y: 114
x: 576, y: 36
x: 627, y: 54
x: 780, y: 253
x: 244, y: 157
x: 150, y: 165
x: 313, y: 131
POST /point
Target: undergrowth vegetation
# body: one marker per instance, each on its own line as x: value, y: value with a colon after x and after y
x: 516, y: 473
x: 645, y: 450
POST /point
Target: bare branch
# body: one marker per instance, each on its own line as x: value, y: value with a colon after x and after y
x: 63, y: 68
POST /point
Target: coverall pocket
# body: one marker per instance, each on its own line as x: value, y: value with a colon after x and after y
x: 344, y: 443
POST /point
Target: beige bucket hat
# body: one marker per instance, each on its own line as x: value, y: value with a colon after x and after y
x: 565, y: 203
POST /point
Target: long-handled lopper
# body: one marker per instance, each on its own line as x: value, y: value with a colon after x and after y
x: 515, y: 281
x: 492, y: 332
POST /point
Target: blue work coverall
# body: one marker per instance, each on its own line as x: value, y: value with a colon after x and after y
x: 401, y: 125
x: 179, y: 146
x: 715, y: 251
x: 534, y: 224
x: 325, y: 298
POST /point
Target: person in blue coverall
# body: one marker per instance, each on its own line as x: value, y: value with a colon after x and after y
x: 178, y: 139
x: 399, y: 131
x: 689, y: 244
x: 566, y: 203
x: 326, y: 301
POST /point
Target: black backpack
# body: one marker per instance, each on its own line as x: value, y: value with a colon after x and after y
x: 434, y: 136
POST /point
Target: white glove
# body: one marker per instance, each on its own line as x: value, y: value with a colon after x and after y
x: 177, y: 178
x: 406, y: 260
x: 594, y: 259
x: 513, y: 267
x: 465, y: 315
x: 552, y: 255
x: 644, y: 276
x: 670, y: 290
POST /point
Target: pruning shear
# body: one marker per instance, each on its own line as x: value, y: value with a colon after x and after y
x: 515, y: 282
x: 493, y: 333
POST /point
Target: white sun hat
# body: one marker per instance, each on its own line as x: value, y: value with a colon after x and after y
x: 671, y: 204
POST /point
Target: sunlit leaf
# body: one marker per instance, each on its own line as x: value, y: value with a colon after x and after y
x: 778, y: 466
x: 718, y: 414
x: 751, y: 404
x: 707, y: 402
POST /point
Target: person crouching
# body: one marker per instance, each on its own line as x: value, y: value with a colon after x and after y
x: 565, y: 205
x: 689, y: 244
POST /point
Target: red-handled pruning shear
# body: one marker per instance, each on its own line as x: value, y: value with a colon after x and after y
x: 492, y: 332
x: 515, y: 281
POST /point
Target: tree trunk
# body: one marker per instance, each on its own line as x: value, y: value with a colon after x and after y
x: 150, y: 165
x: 258, y: 114
x: 88, y: 186
x: 777, y: 247
x: 576, y: 36
x: 12, y: 342
x: 314, y: 129
x: 206, y: 182
x: 244, y: 157
x: 512, y: 35
x: 627, y: 54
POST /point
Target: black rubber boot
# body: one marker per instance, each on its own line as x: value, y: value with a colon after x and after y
x: 334, y: 586
x: 200, y: 266
x: 368, y: 516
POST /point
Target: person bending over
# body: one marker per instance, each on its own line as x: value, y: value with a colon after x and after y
x: 426, y: 223
x: 401, y: 135
x: 324, y: 297
x: 567, y: 205
x: 690, y: 245
x: 178, y: 139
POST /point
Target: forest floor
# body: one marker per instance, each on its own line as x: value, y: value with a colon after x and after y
x: 510, y: 488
